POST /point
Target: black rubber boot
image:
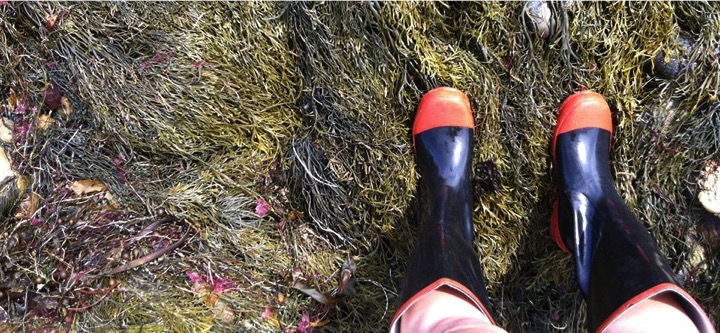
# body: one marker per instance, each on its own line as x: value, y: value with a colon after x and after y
x: 444, y: 255
x: 618, y: 264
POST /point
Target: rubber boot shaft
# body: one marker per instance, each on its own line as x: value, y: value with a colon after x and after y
x: 616, y: 259
x: 445, y: 240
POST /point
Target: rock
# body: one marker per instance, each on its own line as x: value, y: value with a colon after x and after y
x: 709, y: 182
x: 539, y: 18
x: 670, y: 66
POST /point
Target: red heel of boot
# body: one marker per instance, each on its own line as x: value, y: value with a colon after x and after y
x: 555, y: 229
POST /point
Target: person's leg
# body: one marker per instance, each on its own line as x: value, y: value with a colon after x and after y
x: 625, y: 279
x: 443, y: 268
x: 430, y: 314
x: 657, y: 314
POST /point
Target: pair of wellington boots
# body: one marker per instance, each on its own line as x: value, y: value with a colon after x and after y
x: 617, y: 262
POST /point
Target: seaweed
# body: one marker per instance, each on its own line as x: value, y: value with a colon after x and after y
x: 231, y: 152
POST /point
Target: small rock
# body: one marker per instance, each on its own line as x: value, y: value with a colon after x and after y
x: 539, y: 18
x: 709, y: 182
x: 668, y: 66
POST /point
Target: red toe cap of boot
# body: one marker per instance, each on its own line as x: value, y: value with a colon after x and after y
x: 585, y: 109
x: 443, y: 107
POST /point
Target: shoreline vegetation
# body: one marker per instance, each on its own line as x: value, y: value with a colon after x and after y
x: 248, y: 166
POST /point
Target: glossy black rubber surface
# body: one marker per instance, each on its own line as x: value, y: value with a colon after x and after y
x: 445, y: 240
x: 615, y: 256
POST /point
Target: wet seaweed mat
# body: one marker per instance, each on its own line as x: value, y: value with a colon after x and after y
x: 248, y: 166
